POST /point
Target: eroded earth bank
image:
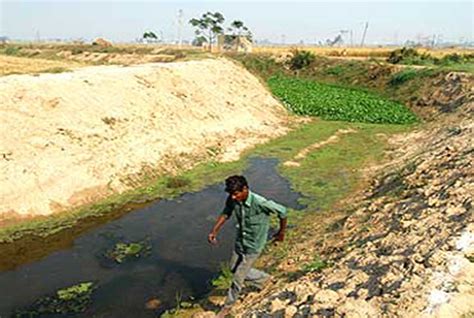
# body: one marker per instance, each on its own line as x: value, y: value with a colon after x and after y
x: 74, y: 138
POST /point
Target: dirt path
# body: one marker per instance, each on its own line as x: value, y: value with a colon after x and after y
x: 76, y: 137
x: 304, y: 152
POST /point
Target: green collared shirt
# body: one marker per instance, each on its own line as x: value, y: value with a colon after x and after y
x: 253, y: 221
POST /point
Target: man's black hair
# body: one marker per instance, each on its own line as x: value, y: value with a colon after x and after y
x: 235, y: 183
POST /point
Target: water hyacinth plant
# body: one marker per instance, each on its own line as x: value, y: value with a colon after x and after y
x: 330, y: 102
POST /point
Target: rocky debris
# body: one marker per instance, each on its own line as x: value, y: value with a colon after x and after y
x: 454, y: 90
x: 205, y: 314
x: 153, y: 304
x: 406, y: 249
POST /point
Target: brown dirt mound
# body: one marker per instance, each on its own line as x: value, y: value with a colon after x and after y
x: 73, y: 138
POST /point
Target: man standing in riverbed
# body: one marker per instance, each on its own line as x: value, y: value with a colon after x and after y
x: 252, y: 212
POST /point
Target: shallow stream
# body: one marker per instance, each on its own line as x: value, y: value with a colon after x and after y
x: 180, y: 262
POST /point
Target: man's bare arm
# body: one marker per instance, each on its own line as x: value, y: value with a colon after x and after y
x: 280, y: 235
x: 212, y: 237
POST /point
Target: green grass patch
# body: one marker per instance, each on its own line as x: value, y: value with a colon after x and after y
x: 330, y: 102
x: 409, y: 74
x: 316, y: 265
x: 403, y: 76
x: 336, y: 70
x: 11, y: 50
x: 328, y: 174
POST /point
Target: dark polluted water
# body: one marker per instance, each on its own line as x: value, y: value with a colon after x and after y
x: 179, y: 263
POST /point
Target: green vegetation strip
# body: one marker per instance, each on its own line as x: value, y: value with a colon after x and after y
x: 330, y: 102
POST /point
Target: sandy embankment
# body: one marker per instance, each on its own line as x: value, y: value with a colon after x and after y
x: 73, y: 138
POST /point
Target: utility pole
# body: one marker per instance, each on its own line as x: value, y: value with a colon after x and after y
x: 365, y: 32
x: 180, y: 27
x: 343, y: 32
x: 352, y: 38
x: 283, y: 37
x: 161, y: 36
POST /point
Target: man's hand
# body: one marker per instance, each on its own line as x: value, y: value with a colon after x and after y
x: 279, y: 237
x: 211, y: 238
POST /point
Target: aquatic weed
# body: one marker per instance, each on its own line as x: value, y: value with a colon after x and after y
x: 330, y: 102
x: 70, y: 300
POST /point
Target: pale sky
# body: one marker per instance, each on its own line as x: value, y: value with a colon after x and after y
x: 277, y: 21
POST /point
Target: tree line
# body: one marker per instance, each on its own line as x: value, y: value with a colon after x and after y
x: 208, y: 26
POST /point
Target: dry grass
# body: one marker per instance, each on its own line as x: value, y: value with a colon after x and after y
x: 357, y: 51
x: 21, y: 58
x: 21, y: 65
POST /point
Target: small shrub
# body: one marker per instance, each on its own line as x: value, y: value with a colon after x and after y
x: 452, y: 58
x: 12, y: 50
x: 301, y: 59
x: 262, y: 65
x: 409, y: 56
x: 224, y: 280
x: 455, y: 59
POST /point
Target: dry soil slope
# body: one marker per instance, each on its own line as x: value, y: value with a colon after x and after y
x: 73, y: 138
x: 407, y: 247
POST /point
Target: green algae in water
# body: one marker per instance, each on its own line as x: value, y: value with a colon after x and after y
x: 71, y: 300
x: 123, y: 252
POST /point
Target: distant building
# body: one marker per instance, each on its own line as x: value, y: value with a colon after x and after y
x: 3, y: 39
x: 236, y: 43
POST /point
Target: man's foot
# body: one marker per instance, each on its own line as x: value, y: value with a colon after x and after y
x: 224, y: 312
x: 263, y: 285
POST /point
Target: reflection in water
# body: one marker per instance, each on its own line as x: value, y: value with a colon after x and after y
x: 180, y: 262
